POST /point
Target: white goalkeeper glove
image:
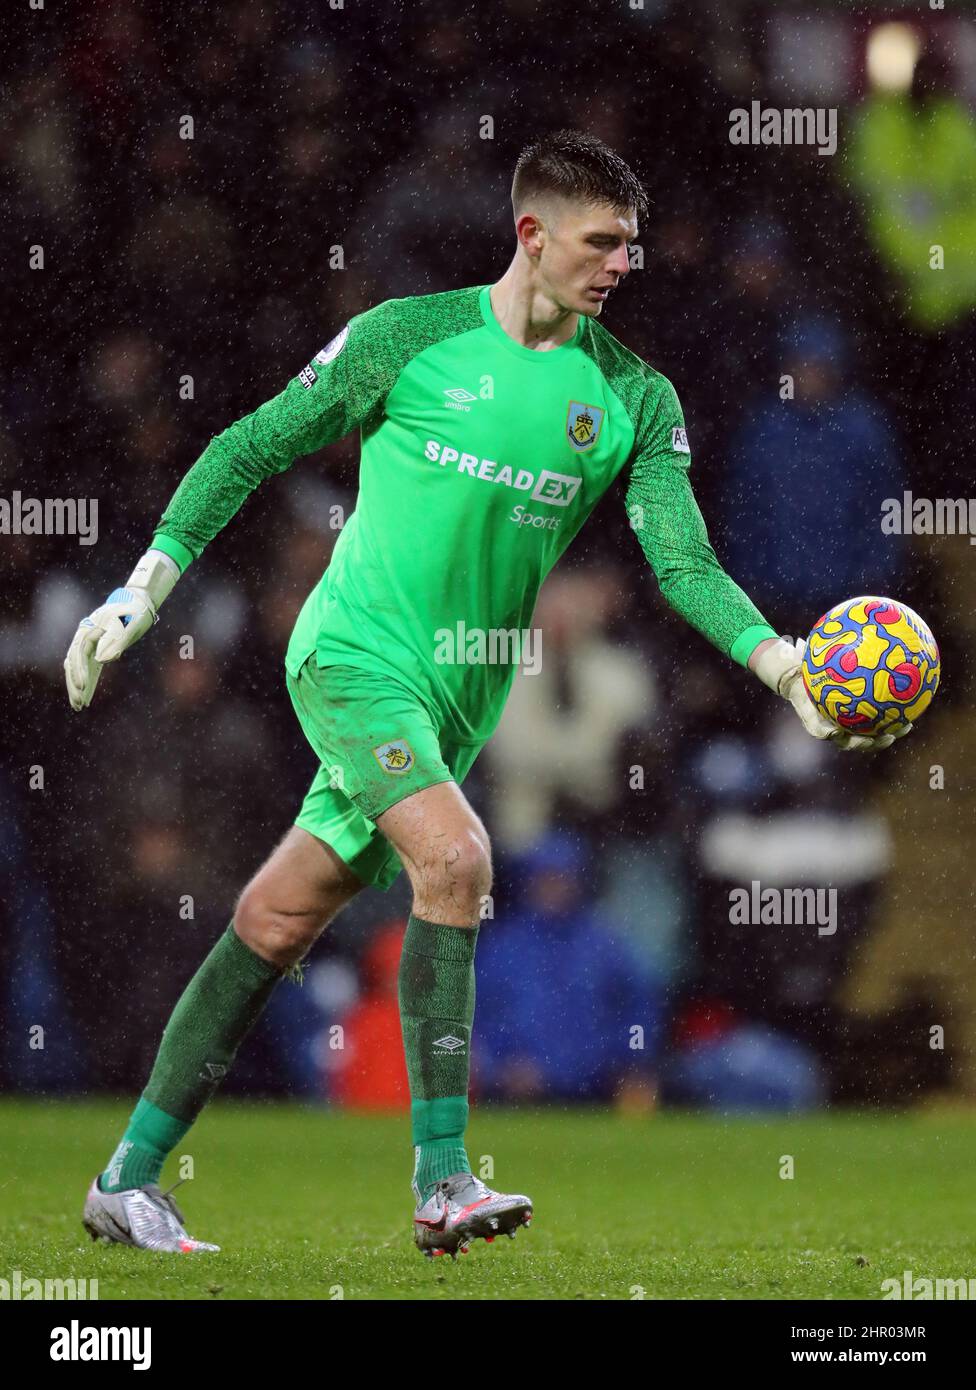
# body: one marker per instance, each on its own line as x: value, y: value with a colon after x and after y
x: 125, y: 616
x: 779, y: 668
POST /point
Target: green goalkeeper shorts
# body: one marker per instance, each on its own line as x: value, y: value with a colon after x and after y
x: 377, y: 743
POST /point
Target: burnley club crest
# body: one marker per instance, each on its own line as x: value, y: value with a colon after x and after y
x: 583, y: 424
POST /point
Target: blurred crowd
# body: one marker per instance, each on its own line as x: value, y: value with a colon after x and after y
x: 338, y: 158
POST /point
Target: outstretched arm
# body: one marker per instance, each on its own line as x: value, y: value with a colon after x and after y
x: 671, y: 529
x: 339, y: 390
x: 334, y: 394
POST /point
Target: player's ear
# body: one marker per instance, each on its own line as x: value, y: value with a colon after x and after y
x: 529, y: 228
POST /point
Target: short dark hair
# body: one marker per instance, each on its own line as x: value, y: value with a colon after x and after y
x: 572, y: 164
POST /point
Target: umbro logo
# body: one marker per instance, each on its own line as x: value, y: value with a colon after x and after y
x: 448, y: 1043
x: 459, y: 399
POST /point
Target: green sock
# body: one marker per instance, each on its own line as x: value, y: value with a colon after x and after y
x: 150, y: 1135
x: 436, y: 992
x: 214, y: 1014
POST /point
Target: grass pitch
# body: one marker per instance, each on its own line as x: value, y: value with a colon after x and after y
x: 316, y: 1204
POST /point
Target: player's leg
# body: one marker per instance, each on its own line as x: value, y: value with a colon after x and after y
x: 293, y: 897
x: 379, y: 743
x: 278, y: 916
x: 445, y: 849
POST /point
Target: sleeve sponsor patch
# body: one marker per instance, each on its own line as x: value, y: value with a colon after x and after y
x: 333, y: 348
x: 679, y: 441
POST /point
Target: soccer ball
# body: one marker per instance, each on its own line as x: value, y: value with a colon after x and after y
x: 871, y: 666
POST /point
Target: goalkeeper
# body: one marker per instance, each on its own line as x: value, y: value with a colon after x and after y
x: 492, y: 420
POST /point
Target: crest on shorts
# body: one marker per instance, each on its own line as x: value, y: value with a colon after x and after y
x: 395, y: 757
x: 583, y: 424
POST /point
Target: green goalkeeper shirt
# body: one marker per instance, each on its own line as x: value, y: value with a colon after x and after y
x: 481, y: 459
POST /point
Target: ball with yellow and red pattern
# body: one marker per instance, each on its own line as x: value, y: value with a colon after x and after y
x: 871, y: 665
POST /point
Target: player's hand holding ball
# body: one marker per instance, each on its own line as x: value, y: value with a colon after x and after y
x: 779, y: 667
x: 125, y: 616
x: 869, y: 668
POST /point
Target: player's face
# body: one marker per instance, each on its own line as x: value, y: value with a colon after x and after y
x: 584, y: 255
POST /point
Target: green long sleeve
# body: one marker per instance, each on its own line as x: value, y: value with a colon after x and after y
x: 351, y: 377
x: 672, y: 533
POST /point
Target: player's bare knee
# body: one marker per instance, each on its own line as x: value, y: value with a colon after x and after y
x: 468, y: 865
x: 454, y: 878
x: 280, y: 937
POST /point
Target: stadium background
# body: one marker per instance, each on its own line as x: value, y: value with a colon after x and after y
x: 640, y: 775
